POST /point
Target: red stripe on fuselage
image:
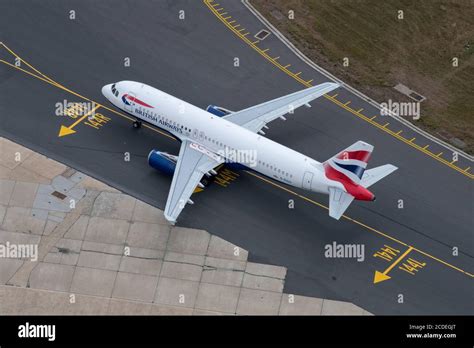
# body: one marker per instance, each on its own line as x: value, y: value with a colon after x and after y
x: 359, y: 192
x: 138, y: 101
x: 356, y: 155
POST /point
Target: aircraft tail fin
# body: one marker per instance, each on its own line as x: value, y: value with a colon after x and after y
x: 350, y: 163
x: 348, y: 168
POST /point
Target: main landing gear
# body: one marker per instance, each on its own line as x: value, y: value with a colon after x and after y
x: 137, y: 124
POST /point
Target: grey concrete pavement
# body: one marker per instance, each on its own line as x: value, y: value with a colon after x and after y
x: 112, y: 254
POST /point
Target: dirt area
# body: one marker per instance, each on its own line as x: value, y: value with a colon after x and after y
x: 384, y: 50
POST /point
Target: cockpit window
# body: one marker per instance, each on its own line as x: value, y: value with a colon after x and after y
x: 114, y: 90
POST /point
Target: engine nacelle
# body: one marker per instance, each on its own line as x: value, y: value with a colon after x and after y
x: 166, y: 163
x: 217, y: 110
x: 162, y: 161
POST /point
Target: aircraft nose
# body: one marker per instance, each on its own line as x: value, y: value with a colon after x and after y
x: 105, y: 91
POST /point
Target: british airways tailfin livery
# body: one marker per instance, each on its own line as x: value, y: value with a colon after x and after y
x: 216, y: 135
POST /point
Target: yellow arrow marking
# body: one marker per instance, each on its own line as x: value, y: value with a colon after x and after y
x: 69, y: 130
x: 55, y: 84
x: 380, y: 277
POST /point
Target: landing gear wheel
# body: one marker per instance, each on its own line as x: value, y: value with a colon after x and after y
x: 137, y: 124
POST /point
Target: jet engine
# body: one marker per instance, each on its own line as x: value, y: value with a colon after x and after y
x: 162, y: 161
x: 166, y: 163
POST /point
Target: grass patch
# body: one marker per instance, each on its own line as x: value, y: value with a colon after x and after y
x: 384, y: 50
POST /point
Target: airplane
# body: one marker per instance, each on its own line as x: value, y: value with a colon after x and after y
x: 216, y: 135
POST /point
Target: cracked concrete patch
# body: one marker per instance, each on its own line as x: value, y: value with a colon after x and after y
x: 23, y: 194
x: 176, y: 292
x: 222, y: 276
x: 78, y: 230
x: 93, y: 259
x: 18, y: 237
x: 181, y: 271
x: 258, y: 302
x: 92, y: 281
x: 221, y: 248
x: 19, y: 219
x: 185, y: 258
x: 105, y: 230
x: 102, y: 247
x: 6, y: 190
x: 65, y: 252
x: 140, y: 266
x: 43, y: 166
x: 188, y: 240
x: 51, y: 276
x: 146, y: 235
x: 12, y: 154
x: 219, y: 298
x: 114, y: 206
x: 135, y: 287
x: 146, y: 213
x: 8, y: 268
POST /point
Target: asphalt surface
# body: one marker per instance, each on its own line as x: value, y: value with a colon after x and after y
x: 193, y: 59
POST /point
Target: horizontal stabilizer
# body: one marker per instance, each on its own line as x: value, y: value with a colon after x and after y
x: 373, y: 175
x: 339, y: 201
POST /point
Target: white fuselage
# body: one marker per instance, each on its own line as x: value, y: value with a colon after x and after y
x: 184, y: 120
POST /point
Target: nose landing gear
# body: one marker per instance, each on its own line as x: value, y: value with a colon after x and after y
x: 137, y: 124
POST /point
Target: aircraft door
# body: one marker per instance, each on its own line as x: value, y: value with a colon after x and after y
x: 307, y: 180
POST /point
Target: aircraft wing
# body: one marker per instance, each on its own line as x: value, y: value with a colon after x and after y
x: 193, y: 162
x: 256, y: 117
x: 339, y: 201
